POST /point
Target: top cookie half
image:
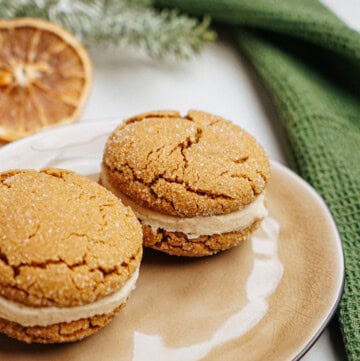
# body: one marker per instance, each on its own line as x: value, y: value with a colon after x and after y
x: 197, y: 165
x: 64, y: 240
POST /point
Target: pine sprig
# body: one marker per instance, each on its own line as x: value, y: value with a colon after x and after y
x: 126, y: 23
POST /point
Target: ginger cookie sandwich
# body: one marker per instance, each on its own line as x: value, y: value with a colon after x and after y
x: 69, y: 255
x: 196, y: 183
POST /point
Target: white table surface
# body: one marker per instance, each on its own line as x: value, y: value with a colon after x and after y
x: 218, y: 81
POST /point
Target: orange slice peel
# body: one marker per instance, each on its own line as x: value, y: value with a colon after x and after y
x: 45, y: 77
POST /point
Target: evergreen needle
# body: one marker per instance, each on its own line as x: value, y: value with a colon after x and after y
x: 132, y: 23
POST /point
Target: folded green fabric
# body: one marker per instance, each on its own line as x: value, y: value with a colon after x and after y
x: 310, y: 63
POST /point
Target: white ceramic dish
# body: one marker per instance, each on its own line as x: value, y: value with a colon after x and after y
x: 268, y: 299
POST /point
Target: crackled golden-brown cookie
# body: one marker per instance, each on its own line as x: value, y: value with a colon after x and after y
x: 196, y: 182
x: 69, y: 255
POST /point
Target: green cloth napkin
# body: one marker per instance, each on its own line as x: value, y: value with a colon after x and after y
x: 310, y: 63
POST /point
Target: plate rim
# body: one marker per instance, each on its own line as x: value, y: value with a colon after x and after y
x: 340, y: 252
x: 333, y: 307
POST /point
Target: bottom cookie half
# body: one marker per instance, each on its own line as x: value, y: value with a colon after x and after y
x: 60, y: 332
x: 177, y: 243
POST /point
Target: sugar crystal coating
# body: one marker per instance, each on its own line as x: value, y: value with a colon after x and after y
x: 64, y: 240
x: 197, y: 165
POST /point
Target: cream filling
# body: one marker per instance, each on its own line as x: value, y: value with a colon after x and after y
x: 196, y: 226
x: 44, y: 316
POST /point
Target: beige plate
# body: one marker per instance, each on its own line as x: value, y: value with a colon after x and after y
x: 267, y: 299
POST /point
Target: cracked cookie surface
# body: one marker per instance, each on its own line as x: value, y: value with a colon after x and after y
x: 64, y: 240
x: 197, y: 165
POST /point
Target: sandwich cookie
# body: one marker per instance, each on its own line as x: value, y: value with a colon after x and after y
x: 69, y: 255
x: 196, y: 183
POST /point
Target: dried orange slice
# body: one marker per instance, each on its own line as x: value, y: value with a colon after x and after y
x: 45, y: 77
